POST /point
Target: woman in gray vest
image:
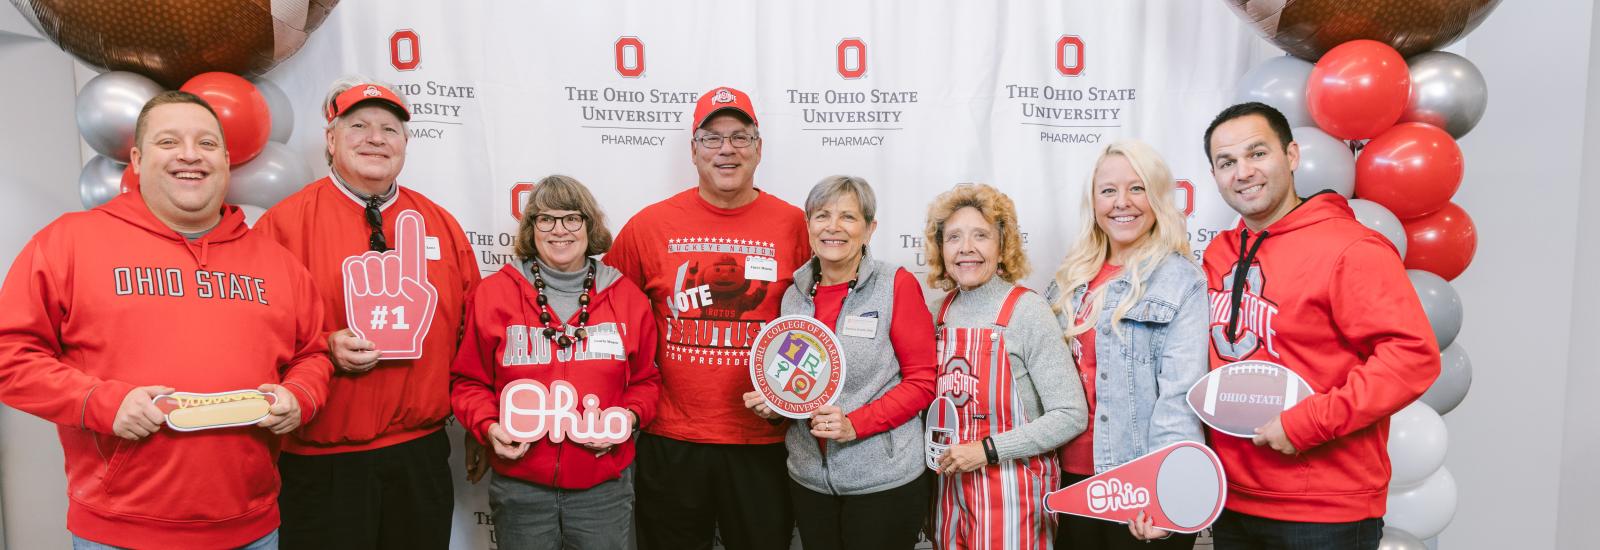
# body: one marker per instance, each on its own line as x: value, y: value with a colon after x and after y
x: 856, y: 467
x: 1132, y: 305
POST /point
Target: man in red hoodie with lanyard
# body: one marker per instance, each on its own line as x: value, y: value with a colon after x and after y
x: 1302, y: 284
x: 162, y: 290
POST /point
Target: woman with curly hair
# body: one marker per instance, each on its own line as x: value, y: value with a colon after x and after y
x: 1003, y: 364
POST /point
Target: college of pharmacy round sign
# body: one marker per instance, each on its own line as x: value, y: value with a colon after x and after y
x: 797, y: 365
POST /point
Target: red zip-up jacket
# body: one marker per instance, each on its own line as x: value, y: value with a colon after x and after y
x: 503, y: 343
x: 104, y: 301
x: 1329, y: 299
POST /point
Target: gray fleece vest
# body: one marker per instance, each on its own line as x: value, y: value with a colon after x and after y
x: 883, y: 461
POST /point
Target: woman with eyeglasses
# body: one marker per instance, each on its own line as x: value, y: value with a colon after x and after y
x: 856, y: 470
x: 558, y: 316
x: 1004, y: 366
x: 1132, y: 306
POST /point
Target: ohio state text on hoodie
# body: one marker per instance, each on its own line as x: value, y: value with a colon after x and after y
x: 104, y: 301
x: 1321, y: 294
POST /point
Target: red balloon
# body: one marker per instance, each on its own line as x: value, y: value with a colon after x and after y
x: 130, y: 180
x: 1441, y: 243
x: 1412, y: 169
x: 246, y: 121
x: 1358, y: 89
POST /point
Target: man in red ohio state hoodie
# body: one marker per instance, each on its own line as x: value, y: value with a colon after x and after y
x: 163, y: 289
x: 1302, y: 284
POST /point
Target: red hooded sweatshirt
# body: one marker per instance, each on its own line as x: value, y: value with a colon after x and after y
x: 503, y: 343
x: 1329, y: 299
x: 101, y: 302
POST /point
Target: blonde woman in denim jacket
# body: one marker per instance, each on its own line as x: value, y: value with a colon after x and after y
x: 1132, y: 306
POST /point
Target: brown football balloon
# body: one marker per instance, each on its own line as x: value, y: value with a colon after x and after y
x: 1309, y: 28
x: 173, y: 40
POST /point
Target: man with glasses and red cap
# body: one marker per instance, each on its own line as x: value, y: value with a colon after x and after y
x: 372, y: 470
x: 714, y: 261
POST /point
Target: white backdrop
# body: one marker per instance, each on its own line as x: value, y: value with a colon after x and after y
x: 915, y: 97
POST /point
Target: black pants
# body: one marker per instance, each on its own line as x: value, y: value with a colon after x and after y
x: 683, y: 491
x: 1235, y: 531
x: 398, y: 496
x: 887, y: 519
x: 1081, y: 533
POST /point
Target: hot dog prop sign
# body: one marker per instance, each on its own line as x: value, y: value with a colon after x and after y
x: 1180, y: 486
x: 530, y: 411
x: 187, y: 411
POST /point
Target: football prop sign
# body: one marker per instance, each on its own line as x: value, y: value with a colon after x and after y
x: 1181, y: 487
x: 796, y: 365
x: 530, y: 411
x: 940, y: 430
x: 188, y: 412
x: 1240, y: 397
x: 387, y: 296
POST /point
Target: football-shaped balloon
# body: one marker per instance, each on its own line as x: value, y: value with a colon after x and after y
x: 1237, y: 398
x: 173, y: 40
x: 1309, y: 28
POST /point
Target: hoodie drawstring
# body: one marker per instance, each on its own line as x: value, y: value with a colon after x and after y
x: 1241, y: 275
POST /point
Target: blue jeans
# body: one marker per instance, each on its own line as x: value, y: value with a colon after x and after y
x: 269, y: 542
x: 1236, y: 531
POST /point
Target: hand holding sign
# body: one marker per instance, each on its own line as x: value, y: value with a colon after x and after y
x: 1180, y: 487
x: 387, y: 296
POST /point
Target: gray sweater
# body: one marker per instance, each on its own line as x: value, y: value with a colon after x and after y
x: 563, y: 288
x: 1047, y: 383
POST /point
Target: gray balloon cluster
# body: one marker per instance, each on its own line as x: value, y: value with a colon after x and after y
x: 100, y: 181
x: 1440, y: 302
x: 274, y: 174
x: 1395, y: 539
x: 1281, y: 83
x: 278, y: 105
x: 1447, y: 91
x: 1455, y: 378
x: 107, y: 109
x: 1380, y: 219
x: 1325, y: 163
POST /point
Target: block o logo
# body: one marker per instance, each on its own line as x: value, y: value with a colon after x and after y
x: 630, y: 57
x: 405, y: 50
x: 852, y: 58
x: 1069, y: 64
x: 1185, y: 197
x: 519, y: 197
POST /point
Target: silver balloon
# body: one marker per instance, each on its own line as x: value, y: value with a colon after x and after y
x: 278, y: 105
x: 1380, y: 219
x: 1455, y: 378
x: 1417, y: 442
x: 107, y: 108
x: 100, y: 181
x: 1440, y: 302
x: 252, y: 213
x: 274, y: 174
x: 1446, y: 91
x: 1426, y: 509
x: 1281, y: 83
x: 1325, y: 163
x: 1395, y: 539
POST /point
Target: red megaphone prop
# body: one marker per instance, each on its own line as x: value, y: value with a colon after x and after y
x: 1180, y: 486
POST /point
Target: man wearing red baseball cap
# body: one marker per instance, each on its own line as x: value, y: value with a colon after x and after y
x: 705, y: 462
x: 373, y: 470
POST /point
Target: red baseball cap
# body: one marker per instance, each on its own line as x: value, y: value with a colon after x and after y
x: 718, y: 99
x: 366, y: 92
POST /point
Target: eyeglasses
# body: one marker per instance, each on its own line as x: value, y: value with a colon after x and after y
x: 714, y: 141
x: 547, y: 223
x: 375, y: 241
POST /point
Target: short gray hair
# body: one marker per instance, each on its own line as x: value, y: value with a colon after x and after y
x: 351, y: 81
x: 833, y: 187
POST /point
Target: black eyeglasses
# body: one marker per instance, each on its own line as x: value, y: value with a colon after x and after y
x: 375, y: 241
x: 714, y: 141
x: 547, y: 223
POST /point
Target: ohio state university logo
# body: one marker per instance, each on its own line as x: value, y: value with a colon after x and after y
x: 519, y: 198
x: 797, y: 365
x: 957, y: 381
x: 1069, y: 55
x: 405, y: 50
x: 1254, y: 329
x: 629, y: 54
x: 852, y: 58
x: 1185, y: 197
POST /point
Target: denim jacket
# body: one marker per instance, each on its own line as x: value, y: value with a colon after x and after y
x: 1144, y: 375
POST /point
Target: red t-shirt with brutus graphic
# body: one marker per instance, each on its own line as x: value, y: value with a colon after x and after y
x: 1077, y: 457
x: 713, y: 276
